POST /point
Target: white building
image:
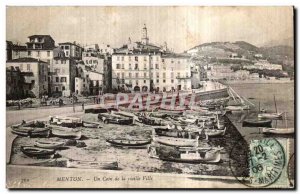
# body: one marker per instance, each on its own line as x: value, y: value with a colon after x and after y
x: 142, y: 66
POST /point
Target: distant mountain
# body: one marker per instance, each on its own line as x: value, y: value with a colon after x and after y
x: 225, y: 49
x: 277, y: 53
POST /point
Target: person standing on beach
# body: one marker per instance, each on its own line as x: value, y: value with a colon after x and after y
x: 83, y: 106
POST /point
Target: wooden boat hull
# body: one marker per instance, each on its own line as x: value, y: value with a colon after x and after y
x: 206, y: 155
x: 92, y: 164
x: 270, y: 116
x: 215, y: 132
x: 177, y: 142
x: 278, y: 131
x: 64, y: 132
x: 49, y: 144
x: 91, y: 124
x: 257, y: 123
x: 126, y: 143
x: 31, y: 131
x: 174, y: 133
x: 37, y: 152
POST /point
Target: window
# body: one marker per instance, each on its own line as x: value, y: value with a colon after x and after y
x: 145, y: 75
x: 38, y: 53
x: 172, y: 81
x: 151, y: 75
x: 130, y: 75
x: 136, y: 75
x: 129, y: 66
x: 122, y: 58
x: 67, y: 47
x: 164, y: 81
x: 157, y: 75
x: 122, y: 66
x: 57, y: 79
x: 48, y: 61
x: 28, y: 67
x: 178, y: 74
x: 63, y: 88
x: 144, y: 81
x: 164, y: 75
x: 136, y: 58
x: 48, y: 53
x: 156, y: 66
x: 129, y: 58
x: 163, y: 60
x: 157, y: 81
x: 122, y: 75
x: 145, y: 66
x: 95, y: 61
x: 136, y: 66
x: 57, y: 70
x: 21, y: 66
x: 145, y: 58
x: 118, y: 58
x: 172, y: 61
x: 118, y: 75
x: 118, y: 66
x: 172, y: 74
x: 29, y: 53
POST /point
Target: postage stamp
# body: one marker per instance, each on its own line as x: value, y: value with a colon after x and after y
x: 263, y: 163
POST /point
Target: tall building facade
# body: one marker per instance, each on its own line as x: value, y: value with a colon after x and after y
x: 142, y: 66
x: 35, y: 74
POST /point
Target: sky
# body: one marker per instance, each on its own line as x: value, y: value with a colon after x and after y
x: 181, y: 27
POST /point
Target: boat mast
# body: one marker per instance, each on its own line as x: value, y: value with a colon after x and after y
x: 259, y: 106
x: 275, y: 104
x: 285, y: 119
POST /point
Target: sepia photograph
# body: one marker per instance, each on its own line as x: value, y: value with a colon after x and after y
x: 150, y: 97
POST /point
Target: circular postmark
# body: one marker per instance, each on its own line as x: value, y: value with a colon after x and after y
x: 259, y: 164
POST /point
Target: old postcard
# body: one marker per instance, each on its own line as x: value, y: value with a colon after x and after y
x: 150, y: 97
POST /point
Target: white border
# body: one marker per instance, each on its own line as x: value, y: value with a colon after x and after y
x: 5, y: 3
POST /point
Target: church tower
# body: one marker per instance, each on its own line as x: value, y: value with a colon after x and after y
x: 145, y: 39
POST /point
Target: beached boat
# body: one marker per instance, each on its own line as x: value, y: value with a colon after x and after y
x: 174, y: 133
x: 237, y: 108
x: 65, y: 121
x: 107, y: 165
x: 277, y: 131
x: 31, y: 129
x: 47, y: 144
x: 257, y: 123
x: 115, y: 119
x: 129, y: 143
x: 272, y: 116
x: 178, y: 142
x: 64, y: 132
x: 91, y: 124
x: 215, y: 132
x: 189, y: 155
x: 37, y: 152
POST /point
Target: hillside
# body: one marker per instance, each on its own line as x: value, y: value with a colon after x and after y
x: 277, y: 54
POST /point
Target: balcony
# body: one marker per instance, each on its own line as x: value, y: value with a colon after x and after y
x: 183, y: 77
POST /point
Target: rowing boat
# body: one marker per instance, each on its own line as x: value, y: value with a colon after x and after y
x: 188, y: 155
x: 270, y: 116
x: 257, y: 123
x: 64, y: 132
x: 277, y: 131
x: 129, y: 143
x: 37, y: 152
x: 108, y: 165
x: 31, y: 129
x: 49, y: 144
x: 178, y: 142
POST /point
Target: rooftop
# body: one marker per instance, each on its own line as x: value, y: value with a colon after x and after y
x: 40, y: 36
x: 25, y: 60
